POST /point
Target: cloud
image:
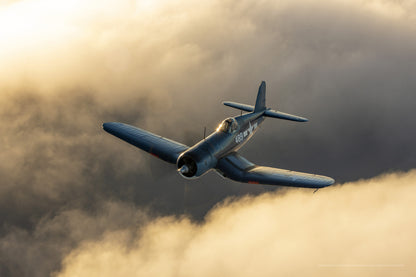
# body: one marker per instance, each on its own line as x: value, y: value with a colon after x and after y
x: 365, y: 223
x: 38, y: 252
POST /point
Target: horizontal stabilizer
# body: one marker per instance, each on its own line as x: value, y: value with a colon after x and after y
x: 267, y: 113
x: 244, y: 107
x: 282, y: 115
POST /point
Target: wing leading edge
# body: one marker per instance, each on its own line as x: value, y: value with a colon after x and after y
x: 163, y: 148
x: 237, y: 168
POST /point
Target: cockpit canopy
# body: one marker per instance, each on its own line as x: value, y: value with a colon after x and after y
x: 229, y: 125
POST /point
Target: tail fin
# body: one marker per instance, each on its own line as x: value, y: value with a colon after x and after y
x: 261, y: 98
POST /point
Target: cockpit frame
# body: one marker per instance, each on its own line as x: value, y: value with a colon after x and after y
x: 228, y: 125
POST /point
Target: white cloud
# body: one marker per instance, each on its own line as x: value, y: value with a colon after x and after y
x: 368, y: 225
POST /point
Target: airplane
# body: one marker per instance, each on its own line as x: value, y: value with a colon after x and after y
x: 218, y: 151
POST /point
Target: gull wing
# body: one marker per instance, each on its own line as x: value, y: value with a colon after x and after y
x: 163, y: 148
x: 237, y: 168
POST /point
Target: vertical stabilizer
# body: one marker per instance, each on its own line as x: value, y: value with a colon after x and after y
x: 261, y: 98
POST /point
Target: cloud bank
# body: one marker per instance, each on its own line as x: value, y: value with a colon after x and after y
x: 363, y: 227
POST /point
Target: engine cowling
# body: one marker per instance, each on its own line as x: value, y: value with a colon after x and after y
x: 195, y: 163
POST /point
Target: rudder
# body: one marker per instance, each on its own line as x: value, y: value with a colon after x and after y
x: 261, y: 98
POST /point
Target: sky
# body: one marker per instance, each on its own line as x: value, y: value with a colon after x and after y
x: 75, y: 201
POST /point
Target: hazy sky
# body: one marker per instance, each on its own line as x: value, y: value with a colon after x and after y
x: 69, y: 191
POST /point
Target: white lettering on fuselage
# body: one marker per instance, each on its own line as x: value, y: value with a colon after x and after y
x: 242, y: 135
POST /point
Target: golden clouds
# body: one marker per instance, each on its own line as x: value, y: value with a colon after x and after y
x: 365, y: 223
x: 122, y: 45
x: 59, y: 44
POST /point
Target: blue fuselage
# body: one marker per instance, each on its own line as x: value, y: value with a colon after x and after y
x: 204, y: 156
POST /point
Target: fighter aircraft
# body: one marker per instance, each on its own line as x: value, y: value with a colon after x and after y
x: 218, y: 150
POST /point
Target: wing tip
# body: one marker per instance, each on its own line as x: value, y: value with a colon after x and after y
x: 106, y: 125
x: 327, y: 181
x: 109, y: 126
